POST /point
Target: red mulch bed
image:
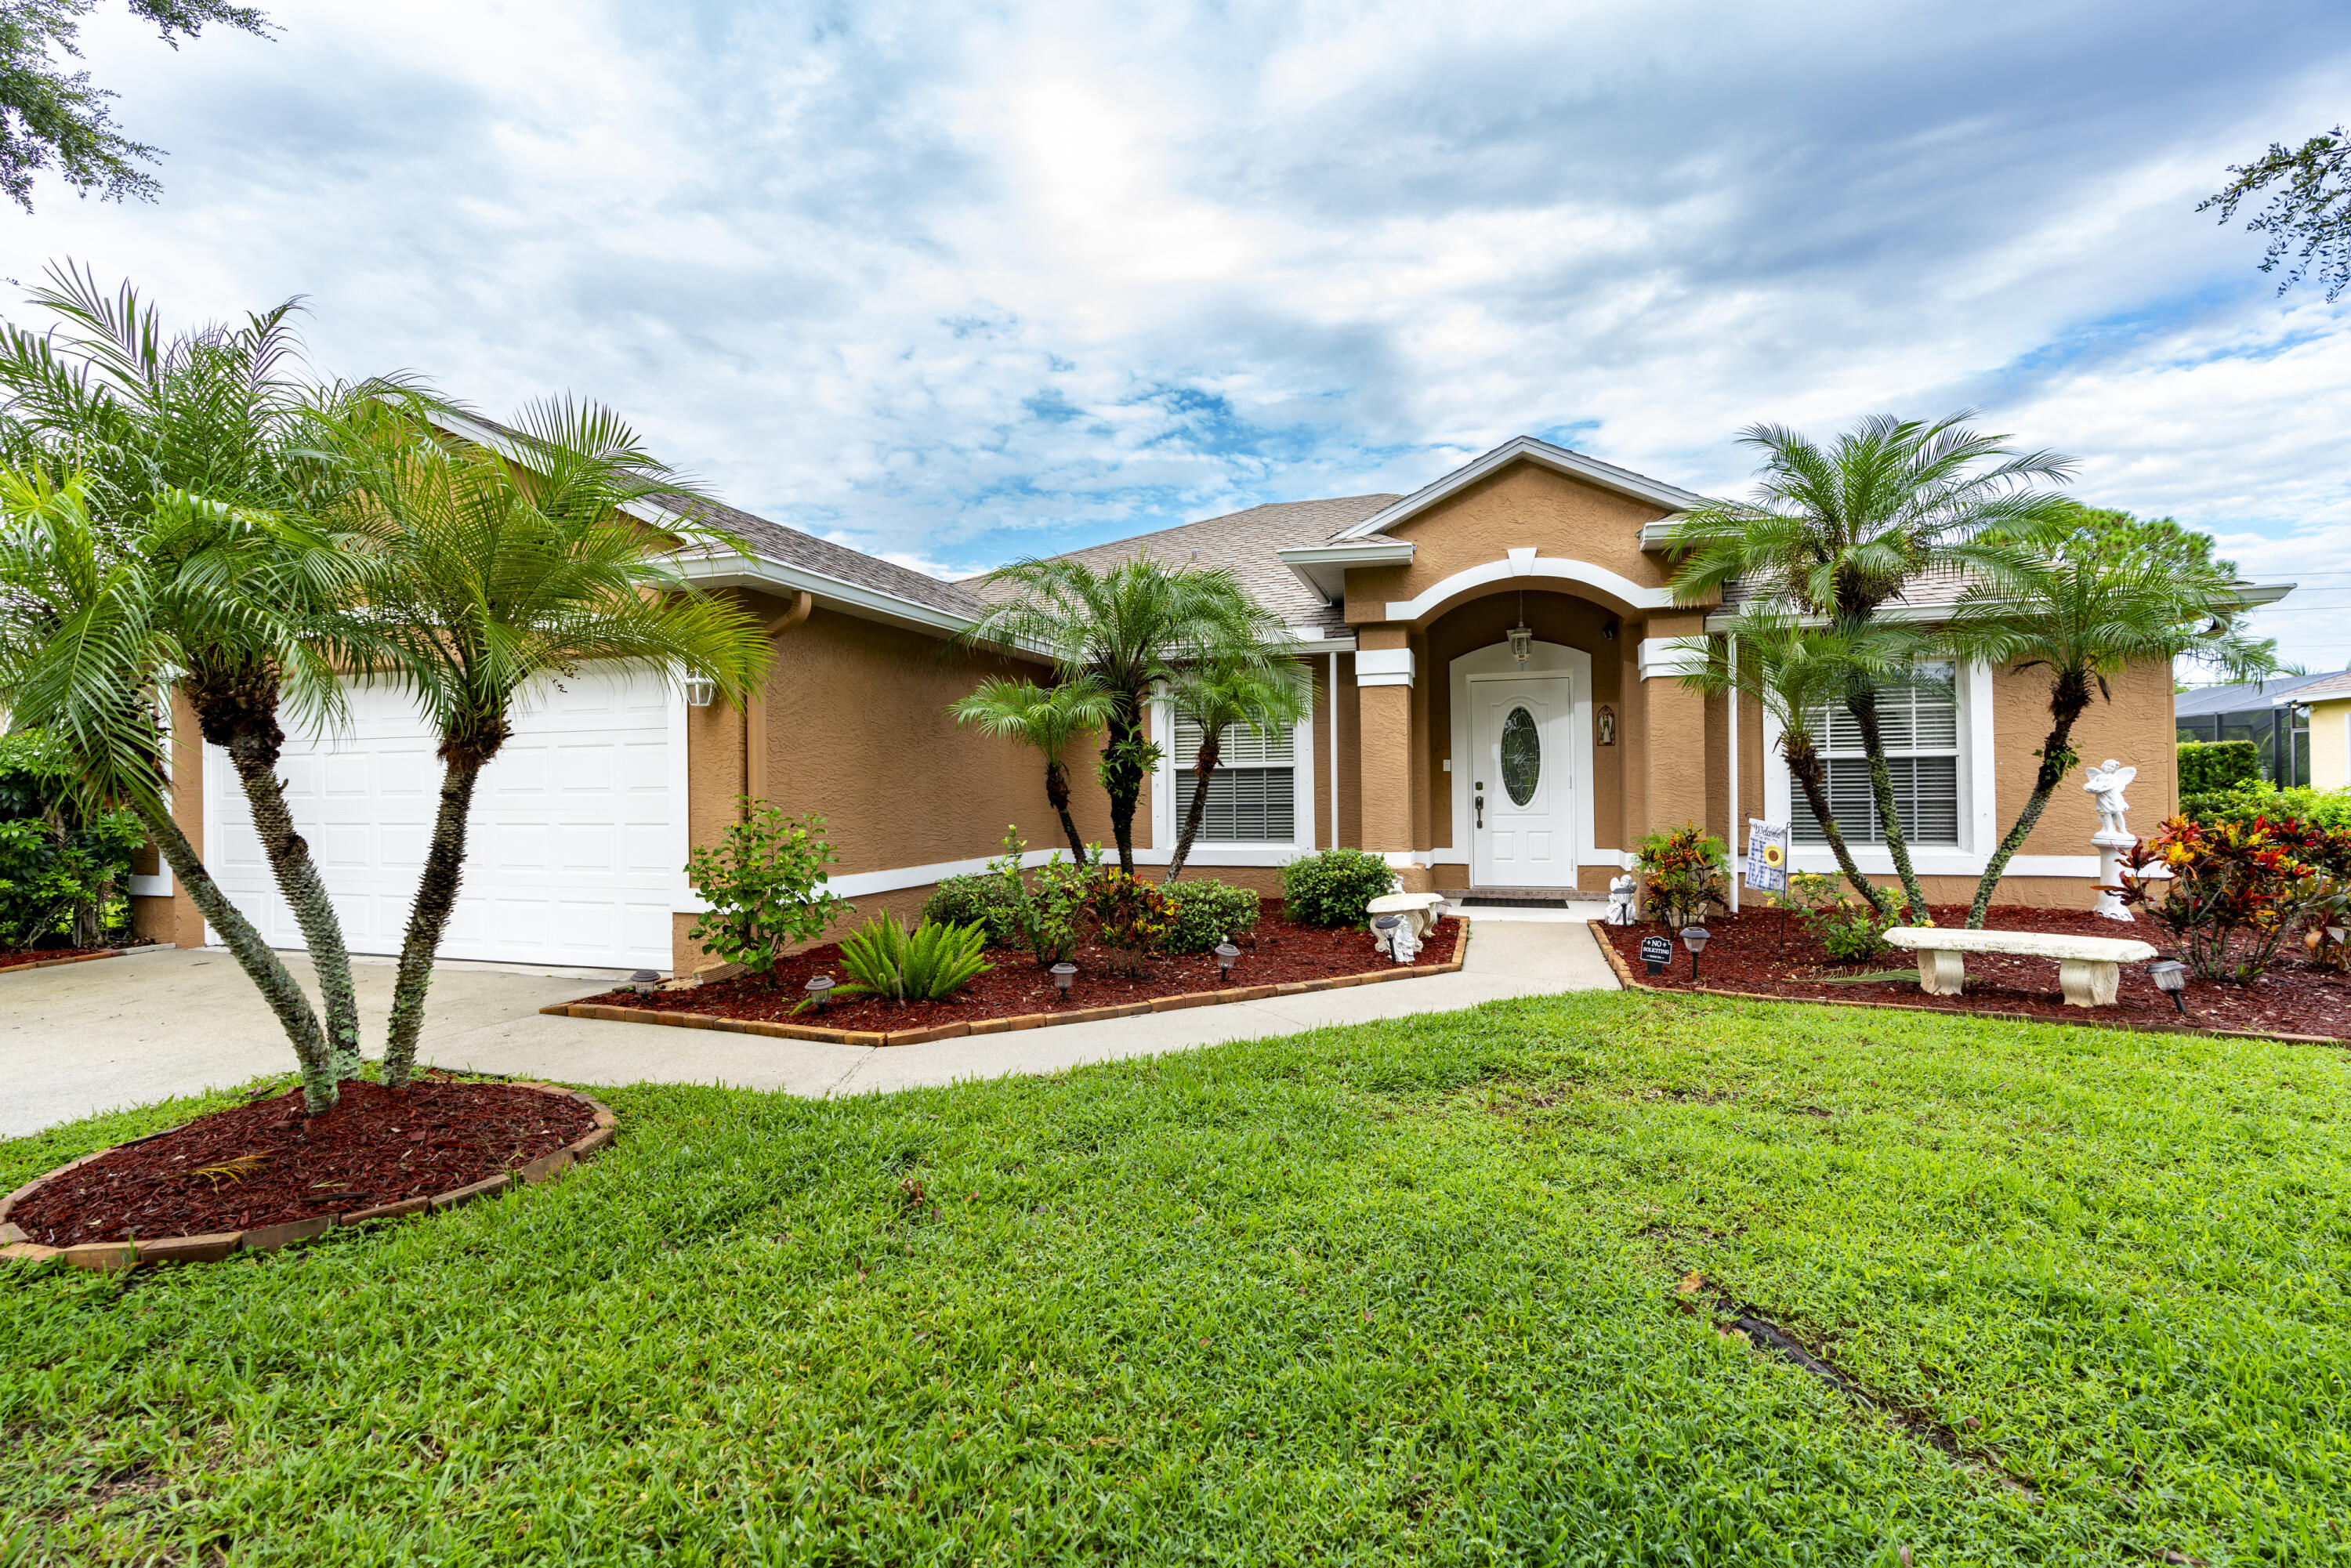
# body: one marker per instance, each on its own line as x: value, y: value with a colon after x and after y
x: 13, y: 958
x: 1747, y: 954
x: 378, y: 1145
x: 1276, y: 952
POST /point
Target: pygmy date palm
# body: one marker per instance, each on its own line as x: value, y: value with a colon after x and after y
x: 1838, y: 534
x: 1129, y: 628
x: 1047, y: 718
x: 2075, y: 607
x: 501, y: 571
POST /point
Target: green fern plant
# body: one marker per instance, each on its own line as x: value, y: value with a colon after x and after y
x: 928, y: 964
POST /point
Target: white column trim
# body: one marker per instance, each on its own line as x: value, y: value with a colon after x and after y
x: 1384, y: 667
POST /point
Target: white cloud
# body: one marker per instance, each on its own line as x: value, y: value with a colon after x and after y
x: 957, y: 284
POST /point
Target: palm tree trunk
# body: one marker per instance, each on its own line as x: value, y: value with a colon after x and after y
x: 2069, y: 697
x: 428, y: 917
x: 1862, y: 705
x: 1057, y: 791
x: 1804, y: 766
x: 260, y: 963
x: 1204, y: 767
x: 255, y: 761
x: 1122, y: 782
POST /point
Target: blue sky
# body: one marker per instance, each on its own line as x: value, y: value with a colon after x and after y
x: 957, y: 284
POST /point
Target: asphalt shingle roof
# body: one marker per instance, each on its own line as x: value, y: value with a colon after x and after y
x: 1243, y: 541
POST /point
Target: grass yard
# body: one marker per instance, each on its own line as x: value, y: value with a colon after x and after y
x: 1399, y: 1292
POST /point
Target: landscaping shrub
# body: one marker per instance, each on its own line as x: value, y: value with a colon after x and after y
x: 1202, y: 913
x: 2207, y: 767
x: 1039, y: 913
x: 2258, y: 798
x: 1336, y: 887
x: 1681, y: 873
x: 2236, y: 890
x: 63, y: 870
x: 1851, y: 930
x: 928, y: 964
x: 977, y: 898
x: 765, y: 883
x: 1130, y: 917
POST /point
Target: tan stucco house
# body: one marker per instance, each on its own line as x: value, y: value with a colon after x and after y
x: 1515, y: 606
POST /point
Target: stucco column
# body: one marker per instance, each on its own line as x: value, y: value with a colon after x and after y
x: 1384, y: 676
x: 1676, y: 758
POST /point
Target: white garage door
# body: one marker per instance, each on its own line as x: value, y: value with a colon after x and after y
x: 578, y: 836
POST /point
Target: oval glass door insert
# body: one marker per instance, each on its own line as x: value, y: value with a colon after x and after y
x: 1522, y: 756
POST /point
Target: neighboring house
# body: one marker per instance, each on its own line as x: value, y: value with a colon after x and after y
x: 1494, y: 707
x: 2272, y: 713
x: 2326, y: 699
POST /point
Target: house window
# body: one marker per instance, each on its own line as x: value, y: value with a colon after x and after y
x: 1249, y: 794
x: 1920, y: 723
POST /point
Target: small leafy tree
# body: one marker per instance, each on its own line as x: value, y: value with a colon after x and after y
x: 62, y: 862
x: 765, y: 883
x: 1047, y: 718
x: 1040, y: 913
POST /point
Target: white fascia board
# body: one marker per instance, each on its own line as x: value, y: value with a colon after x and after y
x: 774, y: 575
x: 1522, y: 563
x: 1657, y: 535
x: 2250, y: 595
x: 1575, y: 465
x: 1323, y: 568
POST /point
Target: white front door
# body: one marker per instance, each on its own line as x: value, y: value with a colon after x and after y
x: 1521, y: 787
x: 575, y: 839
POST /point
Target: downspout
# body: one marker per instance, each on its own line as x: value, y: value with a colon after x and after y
x: 1330, y: 694
x: 755, y: 706
x: 1735, y: 824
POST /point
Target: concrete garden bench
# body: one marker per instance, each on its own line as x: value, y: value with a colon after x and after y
x: 2088, y: 968
x: 1419, y: 908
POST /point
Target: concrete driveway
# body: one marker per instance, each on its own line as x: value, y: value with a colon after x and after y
x: 84, y: 1038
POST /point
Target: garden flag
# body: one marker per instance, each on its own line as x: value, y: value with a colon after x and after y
x: 1767, y: 856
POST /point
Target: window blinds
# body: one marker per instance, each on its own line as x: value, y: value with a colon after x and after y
x: 1919, y: 720
x: 1250, y: 798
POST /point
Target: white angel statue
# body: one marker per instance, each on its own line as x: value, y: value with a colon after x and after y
x: 2104, y: 787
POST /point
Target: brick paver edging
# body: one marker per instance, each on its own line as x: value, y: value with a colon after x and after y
x: 1631, y: 982
x: 14, y: 964
x: 120, y: 1255
x: 1003, y: 1025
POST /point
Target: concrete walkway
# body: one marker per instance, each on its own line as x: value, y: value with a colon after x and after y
x: 90, y: 1037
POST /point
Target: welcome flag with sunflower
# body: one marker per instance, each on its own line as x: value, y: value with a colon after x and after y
x: 1767, y: 856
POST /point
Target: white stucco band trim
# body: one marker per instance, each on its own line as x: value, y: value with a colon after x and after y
x: 1523, y: 563
x: 1669, y: 657
x: 1383, y: 666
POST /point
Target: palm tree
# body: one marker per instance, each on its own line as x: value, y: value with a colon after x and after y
x: 189, y: 446
x: 2079, y: 608
x: 91, y: 638
x: 1795, y: 671
x: 500, y: 570
x: 1047, y: 718
x: 1129, y: 628
x: 1217, y: 696
x: 1840, y: 533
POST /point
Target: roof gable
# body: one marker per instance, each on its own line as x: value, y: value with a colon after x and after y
x: 1526, y: 448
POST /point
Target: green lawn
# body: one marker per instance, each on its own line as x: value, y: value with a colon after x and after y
x: 1405, y: 1292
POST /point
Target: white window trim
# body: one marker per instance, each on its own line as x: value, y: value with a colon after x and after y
x: 1161, y: 849
x: 1979, y: 827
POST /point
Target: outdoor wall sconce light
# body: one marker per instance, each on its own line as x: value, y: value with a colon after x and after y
x: 699, y: 691
x: 820, y: 990
x: 2171, y: 978
x: 644, y: 982
x: 1225, y: 953
x: 1695, y: 938
x: 1064, y: 973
